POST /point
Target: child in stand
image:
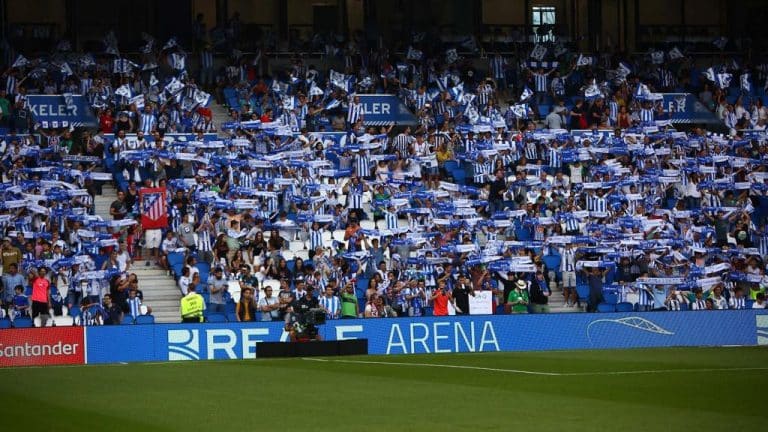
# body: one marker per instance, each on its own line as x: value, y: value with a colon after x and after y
x: 20, y: 303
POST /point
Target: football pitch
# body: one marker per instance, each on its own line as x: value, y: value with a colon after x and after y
x: 701, y: 389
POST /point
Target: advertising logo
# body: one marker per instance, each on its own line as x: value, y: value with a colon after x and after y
x: 219, y: 343
x: 42, y: 347
x: 761, y: 322
x: 635, y: 322
x: 183, y: 345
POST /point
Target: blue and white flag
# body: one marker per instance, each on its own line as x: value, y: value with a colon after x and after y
x: 519, y: 110
x: 340, y: 80
x: 124, y: 91
x: 178, y: 61
x: 592, y: 91
x: 584, y: 61
x: 746, y: 85
x: 146, y: 48
x: 526, y: 94
x: 65, y: 69
x: 560, y: 49
x: 470, y: 43
x: 110, y: 43
x: 20, y: 61
x: 724, y: 80
x: 418, y: 36
x: 457, y: 92
x: 153, y: 81
x: 720, y: 42
x: 642, y: 92
x: 149, y: 66
x: 451, y: 56
x: 314, y: 90
x: 624, y: 69
x: 657, y: 57
x: 675, y: 54
x: 332, y: 104
x: 710, y: 74
x: 121, y: 66
x: 538, y: 52
x: 87, y: 60
x: 170, y: 44
x: 174, y: 86
x: 63, y: 46
x: 414, y: 54
x: 201, y: 98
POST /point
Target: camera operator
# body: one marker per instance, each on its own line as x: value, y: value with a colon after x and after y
x: 297, y: 322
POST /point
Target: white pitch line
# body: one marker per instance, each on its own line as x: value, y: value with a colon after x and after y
x: 516, y: 371
x: 529, y: 372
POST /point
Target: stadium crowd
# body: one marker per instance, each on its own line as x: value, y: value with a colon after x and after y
x: 522, y: 173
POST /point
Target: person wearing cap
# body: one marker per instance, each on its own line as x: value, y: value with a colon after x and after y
x: 192, y: 306
x: 10, y: 253
x: 217, y: 286
x: 517, y: 302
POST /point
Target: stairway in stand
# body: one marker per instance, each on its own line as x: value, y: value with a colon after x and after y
x: 159, y: 289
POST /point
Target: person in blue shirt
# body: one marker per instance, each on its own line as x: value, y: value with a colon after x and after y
x: 20, y: 302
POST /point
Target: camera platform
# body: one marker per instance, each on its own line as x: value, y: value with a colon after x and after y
x: 312, y: 348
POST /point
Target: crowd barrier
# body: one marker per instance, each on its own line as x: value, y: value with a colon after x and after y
x: 170, y: 342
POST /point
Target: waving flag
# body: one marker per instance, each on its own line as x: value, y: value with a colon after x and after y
x: 20, y: 61
x: 332, y: 104
x: 451, y: 56
x: 527, y: 93
x: 675, y: 54
x: 624, y: 69
x: 710, y: 74
x: 177, y: 61
x: 124, y: 91
x: 746, y: 85
x: 153, y: 80
x: 65, y: 69
x: 560, y: 49
x: 154, y: 212
x: 592, y: 91
x: 720, y: 42
x: 121, y: 66
x: 64, y: 46
x: 584, y: 61
x: 724, y: 80
x: 414, y: 54
x: 87, y: 60
x: 340, y: 80
x: 110, y: 43
x: 201, y: 98
x: 538, y: 52
x: 149, y: 66
x: 170, y: 44
x: 174, y: 86
x: 314, y: 90
x: 657, y: 57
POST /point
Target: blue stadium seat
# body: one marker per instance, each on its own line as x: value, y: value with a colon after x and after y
x: 748, y: 304
x: 582, y: 291
x: 450, y: 166
x: 74, y: 311
x: 127, y: 319
x: 145, y: 319
x: 23, y: 322
x: 625, y: 307
x: 606, y: 307
x: 231, y: 317
x: 610, y: 297
x: 203, y: 267
x: 5, y: 323
x: 459, y: 176
x: 230, y: 307
x: 175, y: 258
x: 177, y: 270
x: 216, y: 318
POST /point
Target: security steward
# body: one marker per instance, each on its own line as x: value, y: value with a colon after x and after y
x: 192, y: 306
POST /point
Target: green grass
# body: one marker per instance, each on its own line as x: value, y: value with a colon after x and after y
x: 297, y: 394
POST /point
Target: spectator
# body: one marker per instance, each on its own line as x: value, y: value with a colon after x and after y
x: 245, y: 309
x: 217, y: 286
